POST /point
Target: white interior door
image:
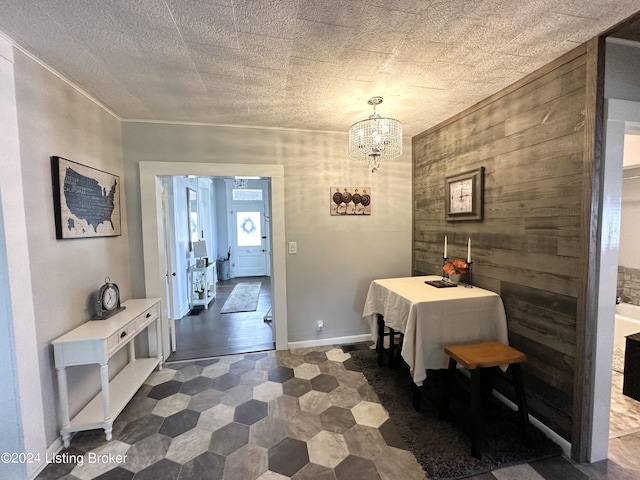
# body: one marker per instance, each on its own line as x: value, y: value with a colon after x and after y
x: 171, y: 274
x: 249, y: 256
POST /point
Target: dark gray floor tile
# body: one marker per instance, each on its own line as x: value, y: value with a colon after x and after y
x: 242, y: 366
x: 140, y: 428
x: 256, y: 356
x: 207, y: 465
x: 296, y: 387
x: 288, y: 457
x: 178, y: 423
x: 337, y: 419
x: 315, y: 357
x: 356, y: 467
x: 117, y: 473
x: 391, y: 435
x: 229, y: 438
x: 280, y: 374
x: 64, y: 463
x: 206, y: 362
x: 226, y: 381
x: 165, y: 389
x: 195, y: 385
x: 315, y: 472
x: 162, y: 470
x: 324, y: 383
x: 250, y: 412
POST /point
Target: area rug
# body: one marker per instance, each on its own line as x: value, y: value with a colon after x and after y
x: 243, y: 298
x: 443, y: 448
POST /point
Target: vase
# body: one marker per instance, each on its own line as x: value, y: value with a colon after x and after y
x: 454, y: 278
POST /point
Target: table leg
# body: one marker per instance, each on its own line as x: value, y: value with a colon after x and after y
x: 64, y: 406
x: 380, y: 341
x: 106, y: 410
x: 417, y: 397
x: 392, y: 347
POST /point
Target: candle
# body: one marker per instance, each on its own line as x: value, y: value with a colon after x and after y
x: 445, y: 247
x: 469, y: 251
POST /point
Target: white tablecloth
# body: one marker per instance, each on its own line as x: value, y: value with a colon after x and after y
x: 431, y: 318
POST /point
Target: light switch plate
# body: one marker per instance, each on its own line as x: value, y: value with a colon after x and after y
x: 293, y: 248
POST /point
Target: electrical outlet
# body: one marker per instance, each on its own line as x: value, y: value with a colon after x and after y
x: 319, y: 325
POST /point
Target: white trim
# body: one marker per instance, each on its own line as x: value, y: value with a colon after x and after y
x: 31, y: 56
x: 51, y: 452
x: 553, y: 436
x: 151, y: 203
x: 321, y: 342
x: 617, y: 114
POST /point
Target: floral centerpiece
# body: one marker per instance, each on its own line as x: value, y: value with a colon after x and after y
x: 455, y: 267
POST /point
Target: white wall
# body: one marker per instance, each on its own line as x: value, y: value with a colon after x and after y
x: 55, y: 119
x: 337, y: 256
x: 22, y: 428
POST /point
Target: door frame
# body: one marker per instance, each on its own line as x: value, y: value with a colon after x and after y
x: 151, y: 209
x: 618, y: 115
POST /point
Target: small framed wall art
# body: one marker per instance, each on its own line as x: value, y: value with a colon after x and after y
x: 350, y: 200
x: 86, y: 201
x: 464, y: 196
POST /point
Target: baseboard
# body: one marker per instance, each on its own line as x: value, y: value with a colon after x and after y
x: 51, y: 452
x: 564, y: 445
x: 321, y: 342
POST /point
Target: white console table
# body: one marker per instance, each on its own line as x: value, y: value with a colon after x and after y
x: 202, y: 287
x: 95, y: 342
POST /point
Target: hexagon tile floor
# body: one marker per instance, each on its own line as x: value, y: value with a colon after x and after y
x: 299, y: 414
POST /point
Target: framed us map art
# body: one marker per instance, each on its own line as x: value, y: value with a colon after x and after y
x: 86, y: 201
x: 464, y: 196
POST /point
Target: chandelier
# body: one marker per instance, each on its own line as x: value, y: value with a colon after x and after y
x: 375, y: 139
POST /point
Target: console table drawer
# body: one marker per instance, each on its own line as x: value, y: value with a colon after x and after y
x: 147, y: 317
x: 120, y: 337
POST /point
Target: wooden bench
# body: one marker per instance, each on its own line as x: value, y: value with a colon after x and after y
x: 476, y: 358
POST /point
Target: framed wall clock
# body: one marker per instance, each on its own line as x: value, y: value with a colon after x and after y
x: 464, y: 196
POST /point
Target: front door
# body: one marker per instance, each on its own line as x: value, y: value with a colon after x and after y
x: 249, y: 252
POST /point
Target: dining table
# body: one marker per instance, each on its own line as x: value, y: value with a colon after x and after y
x: 431, y: 318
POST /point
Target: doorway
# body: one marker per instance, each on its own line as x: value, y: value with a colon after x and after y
x: 229, y: 233
x: 620, y: 116
x: 151, y: 206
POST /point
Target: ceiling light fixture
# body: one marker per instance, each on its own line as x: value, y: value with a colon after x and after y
x: 375, y: 139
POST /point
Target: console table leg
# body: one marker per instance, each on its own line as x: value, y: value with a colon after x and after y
x: 104, y: 381
x: 64, y: 406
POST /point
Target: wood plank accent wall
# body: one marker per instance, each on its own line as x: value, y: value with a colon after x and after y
x: 530, y: 138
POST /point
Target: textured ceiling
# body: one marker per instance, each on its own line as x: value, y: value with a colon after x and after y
x: 309, y: 64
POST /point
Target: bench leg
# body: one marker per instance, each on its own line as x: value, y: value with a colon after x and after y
x: 476, y: 409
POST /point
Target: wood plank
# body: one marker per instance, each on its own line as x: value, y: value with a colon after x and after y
x: 559, y: 65
x: 530, y: 139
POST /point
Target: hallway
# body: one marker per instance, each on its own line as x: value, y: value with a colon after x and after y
x: 209, y: 333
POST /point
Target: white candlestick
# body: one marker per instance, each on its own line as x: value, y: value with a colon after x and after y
x: 445, y: 247
x: 469, y: 250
